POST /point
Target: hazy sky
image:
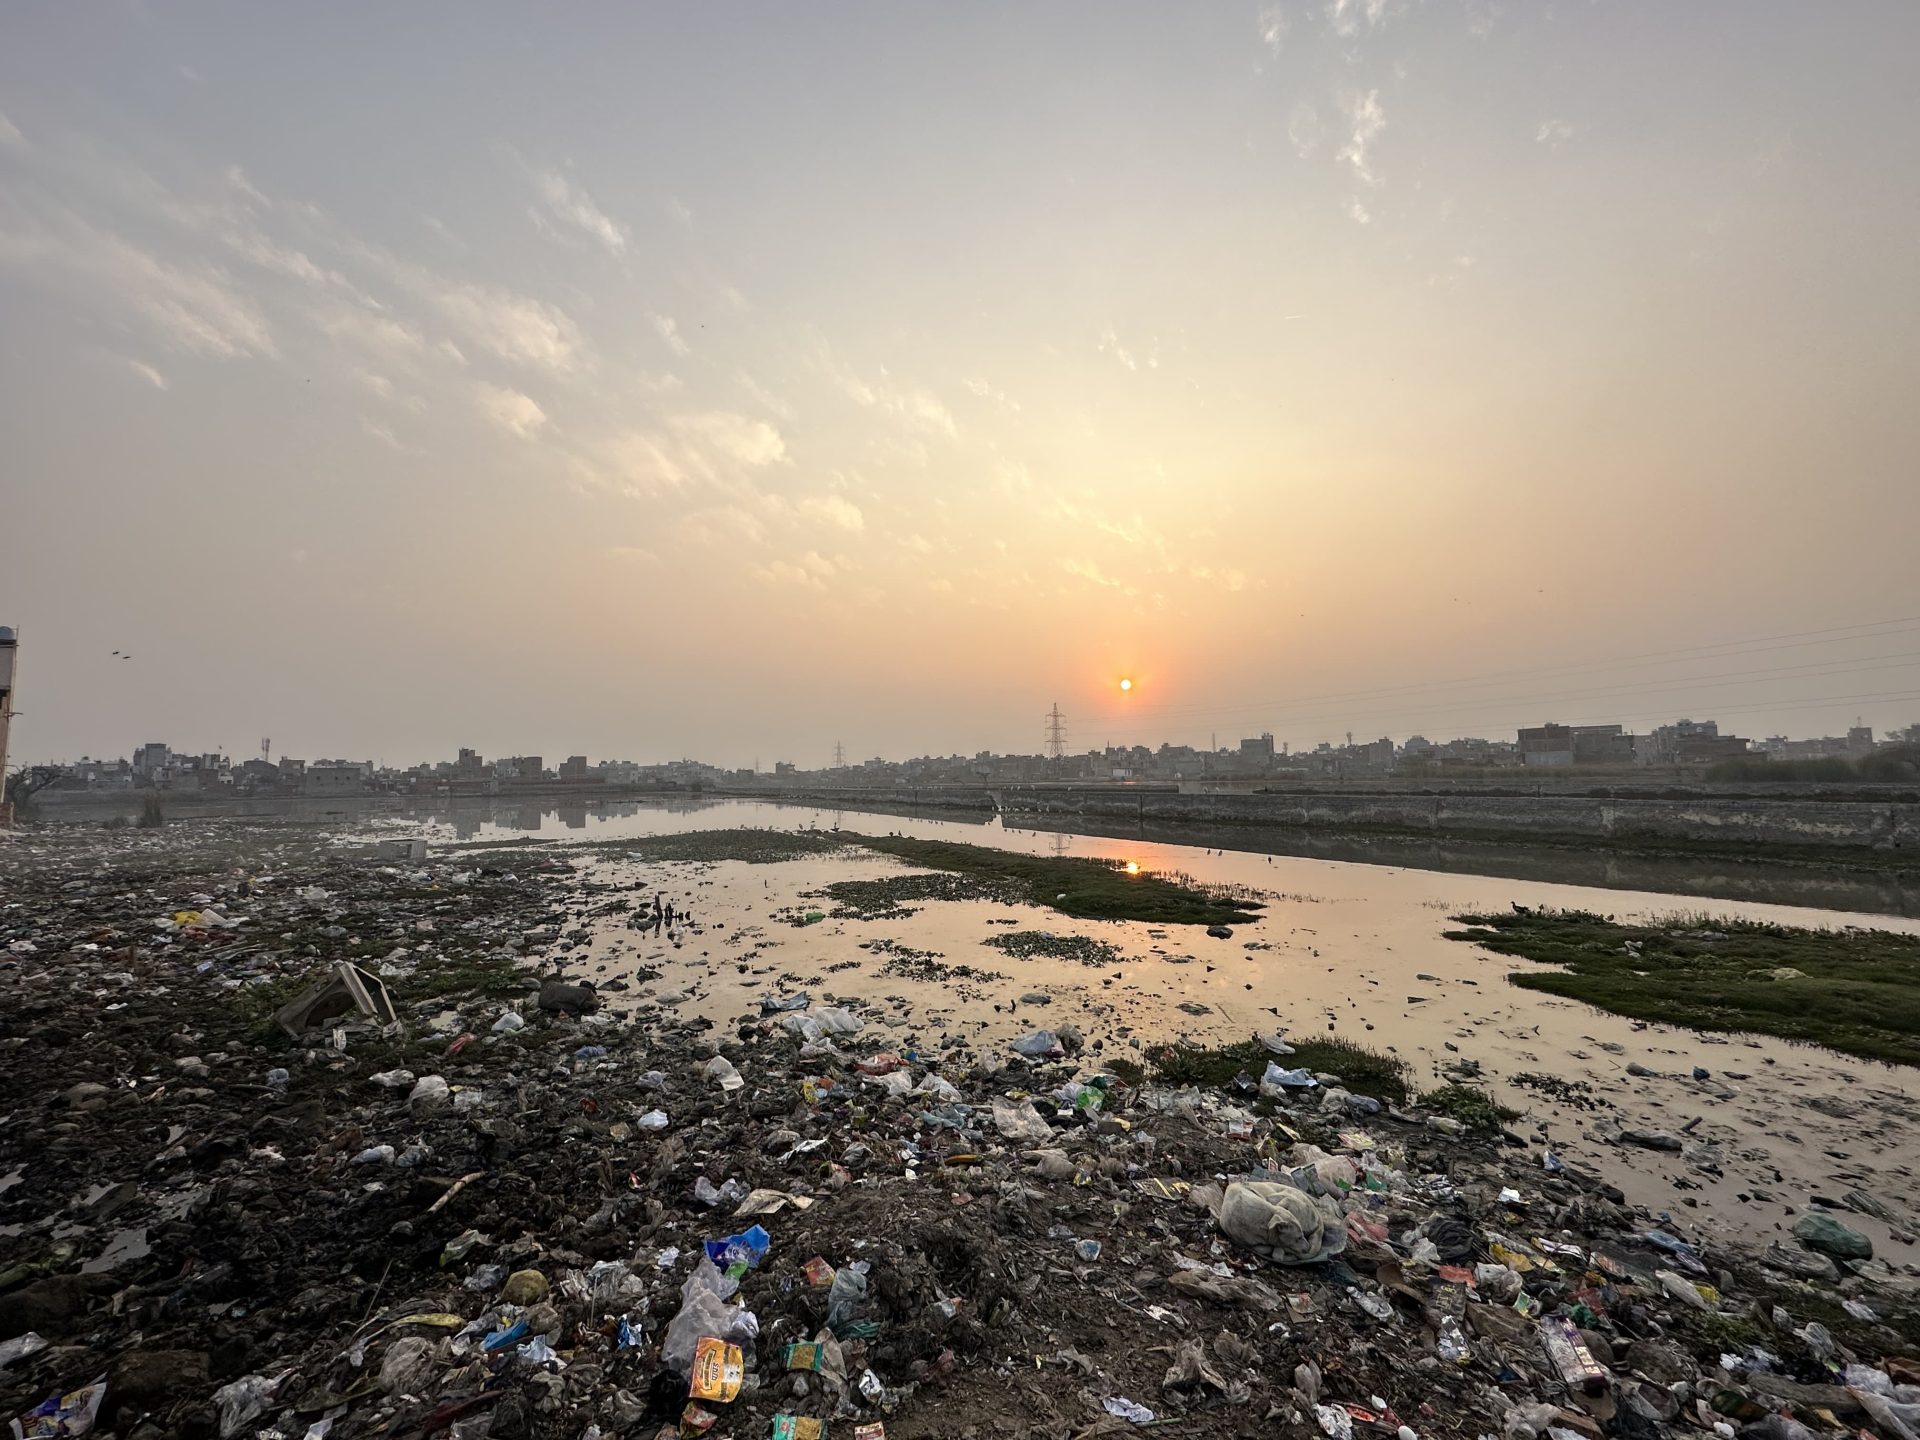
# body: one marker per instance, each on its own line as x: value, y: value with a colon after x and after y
x: 730, y: 380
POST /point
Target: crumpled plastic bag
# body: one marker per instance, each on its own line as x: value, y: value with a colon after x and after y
x: 242, y: 1401
x: 1896, y: 1419
x: 704, y: 1311
x: 407, y: 1367
x: 1020, y: 1121
x: 1281, y: 1221
x: 835, y: 1021
x: 1041, y: 1044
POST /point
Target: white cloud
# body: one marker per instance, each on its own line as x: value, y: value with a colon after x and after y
x: 733, y: 299
x: 1347, y: 16
x: 1273, y: 28
x: 722, y: 525
x: 678, y: 210
x: 631, y: 555
x: 572, y: 205
x: 1357, y: 212
x: 513, y: 412
x: 920, y: 407
x: 1553, y: 132
x: 810, y: 571
x: 751, y: 442
x: 764, y: 397
x: 659, y: 382
x: 1110, y: 345
x: 514, y: 327
x: 669, y: 330
x: 919, y: 544
x: 195, y: 310
x: 147, y: 373
x: 833, y: 510
x: 370, y: 330
x: 986, y: 390
x: 1365, y: 121
x: 1304, y: 129
x: 377, y: 383
x: 386, y: 437
x: 1089, y: 571
x: 10, y: 133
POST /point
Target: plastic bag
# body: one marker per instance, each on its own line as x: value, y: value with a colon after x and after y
x: 835, y: 1021
x: 1020, y: 1121
x: 721, y: 1069
x: 704, y: 1311
x: 1279, y: 1079
x: 847, y: 1306
x: 243, y: 1401
x: 432, y: 1093
x: 407, y: 1366
x: 1041, y: 1044
x: 1281, y: 1221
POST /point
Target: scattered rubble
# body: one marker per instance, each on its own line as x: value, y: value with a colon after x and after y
x: 510, y: 1204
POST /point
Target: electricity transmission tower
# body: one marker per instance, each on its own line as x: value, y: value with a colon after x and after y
x: 839, y: 756
x: 1056, y: 733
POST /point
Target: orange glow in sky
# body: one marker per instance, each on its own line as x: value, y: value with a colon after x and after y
x: 1126, y: 684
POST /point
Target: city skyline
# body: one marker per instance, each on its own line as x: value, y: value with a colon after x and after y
x: 745, y: 381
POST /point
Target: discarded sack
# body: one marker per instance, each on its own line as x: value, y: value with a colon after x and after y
x: 1282, y: 1222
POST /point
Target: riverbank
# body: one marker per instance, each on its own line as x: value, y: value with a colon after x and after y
x: 1872, y: 829
x: 487, y: 1221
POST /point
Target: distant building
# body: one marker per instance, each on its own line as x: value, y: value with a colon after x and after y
x: 1564, y: 746
x: 152, y: 757
x: 1258, y: 749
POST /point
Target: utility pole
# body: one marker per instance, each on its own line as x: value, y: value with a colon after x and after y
x: 9, y: 646
x: 1056, y: 733
x: 266, y: 749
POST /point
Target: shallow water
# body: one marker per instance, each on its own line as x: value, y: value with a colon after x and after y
x: 1349, y: 949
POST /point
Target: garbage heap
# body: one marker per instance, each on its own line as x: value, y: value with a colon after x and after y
x: 527, y: 1206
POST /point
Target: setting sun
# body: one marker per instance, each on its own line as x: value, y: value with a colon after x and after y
x: 1126, y: 684
x: 1133, y: 867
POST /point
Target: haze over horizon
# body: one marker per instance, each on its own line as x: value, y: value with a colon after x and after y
x: 730, y: 381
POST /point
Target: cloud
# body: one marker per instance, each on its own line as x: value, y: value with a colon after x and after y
x: 1089, y: 571
x: 1365, y: 121
x: 571, y: 205
x: 371, y: 331
x: 1357, y: 212
x: 669, y: 330
x: 632, y: 555
x: 513, y: 412
x: 1110, y: 345
x: 386, y: 437
x: 147, y: 373
x: 1227, y: 578
x: 810, y: 571
x: 764, y: 397
x: 921, y: 408
x: 1304, y: 129
x: 1347, y: 16
x: 833, y: 510
x: 514, y: 327
x: 722, y: 525
x: 194, y: 310
x: 377, y: 383
x: 987, y: 391
x: 10, y: 133
x: 1273, y: 28
x: 677, y: 208
x: 751, y: 442
x: 1554, y: 133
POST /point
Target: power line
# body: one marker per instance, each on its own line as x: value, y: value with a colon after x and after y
x: 1056, y: 732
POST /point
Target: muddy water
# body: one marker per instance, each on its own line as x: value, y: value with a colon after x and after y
x: 1352, y: 950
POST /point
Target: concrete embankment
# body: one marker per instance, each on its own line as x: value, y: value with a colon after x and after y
x: 1739, y: 823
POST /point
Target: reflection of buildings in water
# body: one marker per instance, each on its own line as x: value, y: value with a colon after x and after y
x: 572, y: 814
x: 467, y: 823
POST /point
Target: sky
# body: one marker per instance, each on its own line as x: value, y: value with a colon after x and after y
x: 732, y: 381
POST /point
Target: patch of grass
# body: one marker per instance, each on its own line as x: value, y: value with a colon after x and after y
x: 494, y: 976
x: 1128, y: 1072
x: 893, y: 897
x: 756, y: 847
x: 1025, y: 944
x: 1363, y: 1071
x: 1085, y: 888
x: 1475, y: 1109
x: 1855, y: 991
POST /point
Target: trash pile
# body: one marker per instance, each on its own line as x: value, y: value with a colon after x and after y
x: 365, y: 1159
